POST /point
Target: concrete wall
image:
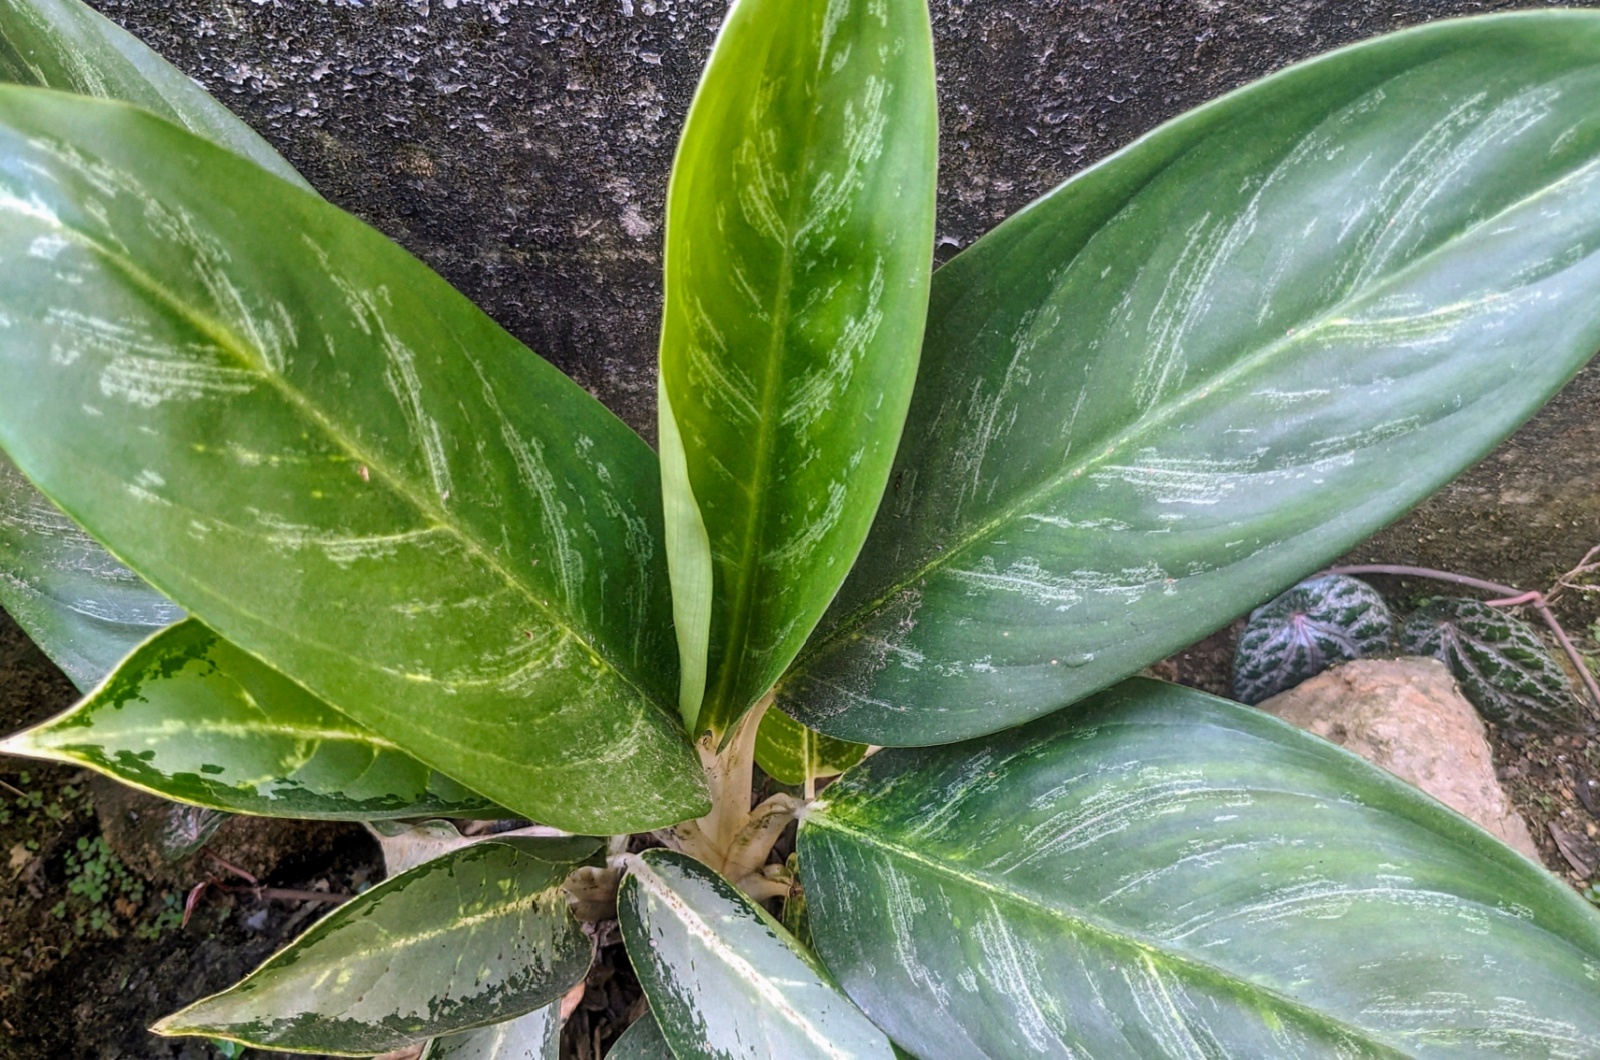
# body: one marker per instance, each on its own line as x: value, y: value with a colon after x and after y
x: 521, y: 147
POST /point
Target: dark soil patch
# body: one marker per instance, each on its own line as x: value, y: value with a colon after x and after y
x: 84, y: 969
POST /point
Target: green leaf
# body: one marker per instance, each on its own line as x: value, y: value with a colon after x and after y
x: 790, y: 753
x: 536, y: 1036
x: 1320, y: 622
x: 723, y: 979
x: 475, y: 938
x: 67, y: 45
x: 1196, y: 372
x: 642, y: 1041
x: 798, y: 247
x: 1500, y: 661
x: 1160, y: 873
x: 297, y: 431
x: 82, y: 607
x: 190, y: 717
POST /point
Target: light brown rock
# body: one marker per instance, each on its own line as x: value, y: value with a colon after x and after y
x: 1408, y: 716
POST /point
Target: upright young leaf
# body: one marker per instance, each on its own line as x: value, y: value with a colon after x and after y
x: 724, y: 980
x: 304, y: 436
x: 69, y: 46
x: 799, y: 242
x: 1165, y: 874
x: 81, y: 606
x: 190, y: 717
x: 475, y: 938
x: 1204, y: 367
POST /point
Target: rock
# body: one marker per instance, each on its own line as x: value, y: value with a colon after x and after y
x: 1408, y: 716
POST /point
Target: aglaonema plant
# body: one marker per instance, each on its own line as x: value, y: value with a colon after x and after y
x: 422, y: 574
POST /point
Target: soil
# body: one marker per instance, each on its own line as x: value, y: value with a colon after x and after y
x: 81, y: 974
x: 521, y: 148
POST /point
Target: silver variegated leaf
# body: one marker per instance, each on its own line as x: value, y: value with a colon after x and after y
x: 798, y: 249
x: 536, y: 1036
x: 478, y: 937
x: 1299, y: 634
x: 1199, y: 370
x: 1500, y: 662
x: 82, y: 607
x: 377, y: 492
x: 1158, y: 873
x: 723, y: 978
x: 190, y: 717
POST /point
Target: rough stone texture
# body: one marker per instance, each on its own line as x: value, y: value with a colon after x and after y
x: 1408, y: 716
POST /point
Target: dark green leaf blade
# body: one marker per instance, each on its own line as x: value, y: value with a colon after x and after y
x: 294, y: 429
x: 1165, y: 874
x: 799, y: 243
x: 82, y: 607
x: 536, y: 1036
x: 190, y: 717
x: 642, y: 1041
x: 723, y: 979
x: 1204, y: 367
x: 474, y: 938
x: 1295, y: 636
x: 790, y: 753
x: 1503, y: 666
x: 69, y: 46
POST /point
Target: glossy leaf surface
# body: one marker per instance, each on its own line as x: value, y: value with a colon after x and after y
x: 790, y: 753
x: 642, y: 1041
x: 723, y: 979
x: 1501, y: 662
x: 424, y: 524
x: 475, y: 938
x: 798, y: 248
x: 1160, y: 873
x: 1295, y: 636
x: 69, y: 46
x: 192, y: 718
x: 536, y: 1036
x: 68, y: 593
x: 1191, y: 375
x: 81, y: 606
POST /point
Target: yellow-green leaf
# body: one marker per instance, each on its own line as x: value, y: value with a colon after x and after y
x: 190, y: 717
x: 798, y: 247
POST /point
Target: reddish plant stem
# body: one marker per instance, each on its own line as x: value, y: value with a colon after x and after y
x: 15, y: 791
x: 1507, y: 597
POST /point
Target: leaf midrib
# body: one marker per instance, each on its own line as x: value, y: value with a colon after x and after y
x: 1182, y: 964
x: 848, y: 625
x: 733, y: 663
x: 438, y: 518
